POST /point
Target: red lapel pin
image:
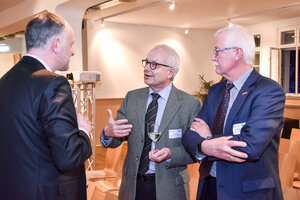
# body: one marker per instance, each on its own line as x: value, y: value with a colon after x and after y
x: 244, y: 93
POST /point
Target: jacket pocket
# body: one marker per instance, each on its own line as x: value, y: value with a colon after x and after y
x: 258, y: 184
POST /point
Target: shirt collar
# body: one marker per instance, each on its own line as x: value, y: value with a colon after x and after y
x: 39, y: 59
x: 164, y: 93
x: 238, y: 83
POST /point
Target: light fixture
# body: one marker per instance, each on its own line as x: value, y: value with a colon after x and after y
x: 230, y: 24
x: 135, y: 8
x: 186, y: 31
x: 109, y: 4
x: 172, y: 6
x: 102, y: 23
x: 4, y: 47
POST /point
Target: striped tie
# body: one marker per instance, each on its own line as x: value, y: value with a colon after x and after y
x: 149, y: 117
x: 218, y: 126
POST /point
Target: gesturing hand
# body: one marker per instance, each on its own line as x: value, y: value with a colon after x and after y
x: 222, y: 148
x: 117, y: 128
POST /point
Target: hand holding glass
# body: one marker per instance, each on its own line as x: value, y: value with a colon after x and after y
x: 153, y: 131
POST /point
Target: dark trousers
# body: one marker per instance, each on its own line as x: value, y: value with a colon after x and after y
x: 145, y: 187
x: 207, y: 189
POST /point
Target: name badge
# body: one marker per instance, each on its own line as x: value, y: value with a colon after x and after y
x: 175, y: 133
x: 236, y: 129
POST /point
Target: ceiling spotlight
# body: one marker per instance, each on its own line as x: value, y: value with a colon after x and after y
x: 186, y: 31
x: 102, y: 23
x: 172, y: 6
x: 230, y: 24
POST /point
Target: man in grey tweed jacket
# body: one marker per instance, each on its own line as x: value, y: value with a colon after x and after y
x: 167, y: 177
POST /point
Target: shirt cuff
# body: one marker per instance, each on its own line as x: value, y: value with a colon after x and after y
x: 199, y: 156
x: 105, y: 140
x: 85, y: 131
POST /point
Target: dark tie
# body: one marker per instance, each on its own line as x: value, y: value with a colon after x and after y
x: 149, y: 117
x: 218, y: 126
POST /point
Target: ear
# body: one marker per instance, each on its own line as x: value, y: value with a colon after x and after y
x: 171, y: 73
x: 55, y: 44
x: 239, y: 54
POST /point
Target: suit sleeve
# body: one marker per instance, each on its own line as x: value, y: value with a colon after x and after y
x: 69, y: 146
x: 179, y: 155
x: 264, y: 122
x: 191, y: 139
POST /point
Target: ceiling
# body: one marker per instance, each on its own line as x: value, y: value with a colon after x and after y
x: 202, y: 14
x: 193, y: 14
x: 5, y: 4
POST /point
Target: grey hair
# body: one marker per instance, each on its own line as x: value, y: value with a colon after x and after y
x: 240, y: 37
x: 173, y: 58
x: 42, y: 28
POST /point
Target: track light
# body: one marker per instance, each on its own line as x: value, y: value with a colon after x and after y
x: 230, y: 24
x: 186, y: 31
x: 172, y: 6
x: 102, y: 23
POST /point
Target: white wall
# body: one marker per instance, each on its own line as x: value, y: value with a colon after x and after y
x: 117, y: 50
x: 6, y: 62
x: 270, y: 36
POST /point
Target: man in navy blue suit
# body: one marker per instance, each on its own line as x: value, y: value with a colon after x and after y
x: 240, y: 161
x: 43, y: 144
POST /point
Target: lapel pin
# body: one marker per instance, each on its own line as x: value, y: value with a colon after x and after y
x: 244, y: 93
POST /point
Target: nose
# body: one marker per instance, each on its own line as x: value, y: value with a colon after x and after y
x: 214, y: 57
x: 147, y: 67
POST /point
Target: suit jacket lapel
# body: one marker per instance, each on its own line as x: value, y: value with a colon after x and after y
x: 173, y: 104
x: 141, y: 109
x: 240, y: 99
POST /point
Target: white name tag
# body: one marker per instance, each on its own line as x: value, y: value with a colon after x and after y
x: 236, y: 129
x: 175, y: 133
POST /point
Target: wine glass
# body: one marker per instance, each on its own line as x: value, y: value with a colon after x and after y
x: 153, y: 131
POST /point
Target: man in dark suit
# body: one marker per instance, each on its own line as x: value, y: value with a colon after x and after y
x: 43, y: 146
x: 244, y: 147
x: 166, y: 175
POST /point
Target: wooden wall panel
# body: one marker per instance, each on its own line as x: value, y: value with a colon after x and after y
x: 292, y: 108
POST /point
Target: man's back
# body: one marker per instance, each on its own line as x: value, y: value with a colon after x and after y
x: 34, y: 137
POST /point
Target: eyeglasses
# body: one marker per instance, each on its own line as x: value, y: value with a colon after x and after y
x: 152, y: 64
x: 216, y: 51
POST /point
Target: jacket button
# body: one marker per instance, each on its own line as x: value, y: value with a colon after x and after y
x: 137, y: 158
x: 134, y: 177
x: 142, y: 140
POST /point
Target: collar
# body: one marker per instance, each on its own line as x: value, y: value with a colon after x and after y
x: 164, y: 93
x: 238, y: 83
x: 39, y: 59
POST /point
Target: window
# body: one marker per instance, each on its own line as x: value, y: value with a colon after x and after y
x: 288, y: 37
x: 290, y: 65
x: 257, y: 40
x: 257, y: 61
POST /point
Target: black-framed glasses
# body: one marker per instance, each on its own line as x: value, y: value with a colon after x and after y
x: 152, y: 64
x: 216, y: 50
